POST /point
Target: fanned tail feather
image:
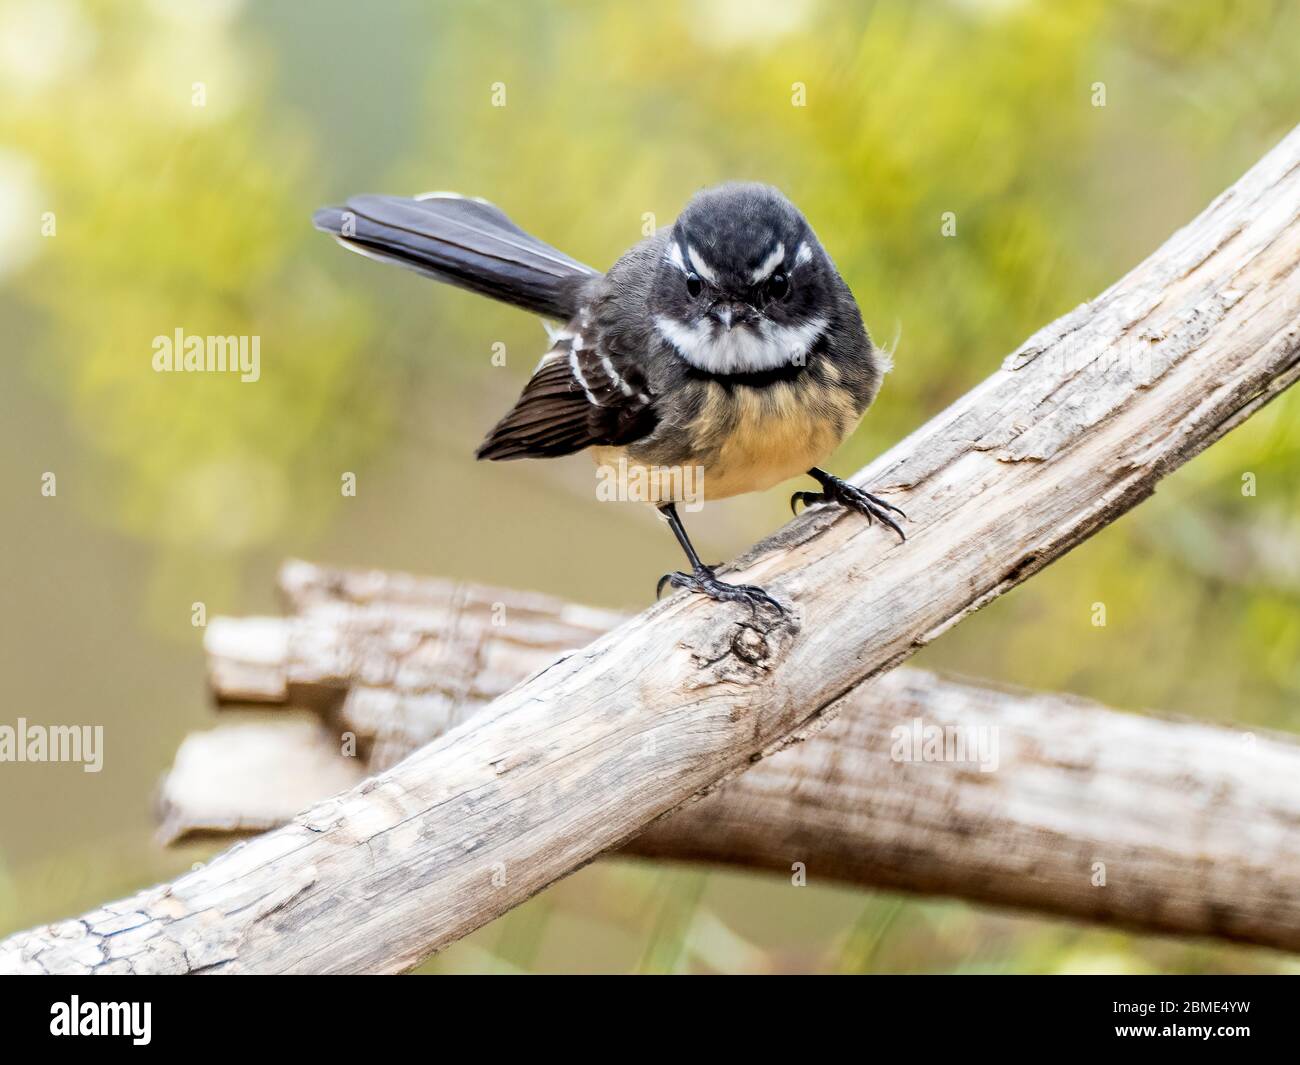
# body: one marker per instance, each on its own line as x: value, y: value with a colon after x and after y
x: 463, y: 242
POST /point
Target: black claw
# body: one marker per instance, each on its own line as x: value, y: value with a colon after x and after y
x: 704, y: 582
x: 854, y: 498
x: 888, y: 506
x: 808, y: 499
x: 902, y: 536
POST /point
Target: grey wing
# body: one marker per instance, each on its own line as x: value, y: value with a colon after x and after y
x: 581, y: 395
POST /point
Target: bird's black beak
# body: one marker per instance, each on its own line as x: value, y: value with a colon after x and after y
x: 732, y: 313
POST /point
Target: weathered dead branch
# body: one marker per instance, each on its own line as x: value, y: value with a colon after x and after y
x: 1053, y: 803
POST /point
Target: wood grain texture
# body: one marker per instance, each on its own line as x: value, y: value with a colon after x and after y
x: 1059, y: 806
x: 1076, y: 427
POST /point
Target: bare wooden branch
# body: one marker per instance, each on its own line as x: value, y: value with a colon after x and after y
x: 1067, y: 808
x: 252, y: 776
x: 1152, y: 824
x: 406, y: 658
x: 1076, y: 427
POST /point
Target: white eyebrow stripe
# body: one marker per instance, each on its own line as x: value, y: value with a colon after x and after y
x: 765, y: 268
x: 701, y: 267
x: 803, y: 254
x: 674, y: 256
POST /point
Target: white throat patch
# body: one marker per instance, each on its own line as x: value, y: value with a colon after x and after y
x: 740, y: 350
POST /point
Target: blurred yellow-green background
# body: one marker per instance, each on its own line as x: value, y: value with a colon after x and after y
x: 159, y: 163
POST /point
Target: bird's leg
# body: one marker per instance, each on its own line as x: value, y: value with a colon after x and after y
x: 702, y: 579
x: 847, y: 495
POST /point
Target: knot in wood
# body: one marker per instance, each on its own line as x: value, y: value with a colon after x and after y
x: 750, y: 645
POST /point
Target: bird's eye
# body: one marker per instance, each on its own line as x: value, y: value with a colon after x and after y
x: 694, y: 285
x: 777, y: 286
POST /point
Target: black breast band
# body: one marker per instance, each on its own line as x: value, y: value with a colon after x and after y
x: 750, y: 378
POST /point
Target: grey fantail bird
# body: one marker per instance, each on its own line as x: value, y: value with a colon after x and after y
x: 727, y: 343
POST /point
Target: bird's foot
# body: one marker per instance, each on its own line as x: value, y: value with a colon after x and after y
x: 851, y: 496
x: 705, y: 582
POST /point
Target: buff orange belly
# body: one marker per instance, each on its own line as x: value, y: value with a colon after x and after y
x: 770, y: 436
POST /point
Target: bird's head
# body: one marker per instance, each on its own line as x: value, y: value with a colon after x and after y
x: 744, y: 285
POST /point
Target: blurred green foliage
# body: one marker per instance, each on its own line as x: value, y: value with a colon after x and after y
x: 876, y: 118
